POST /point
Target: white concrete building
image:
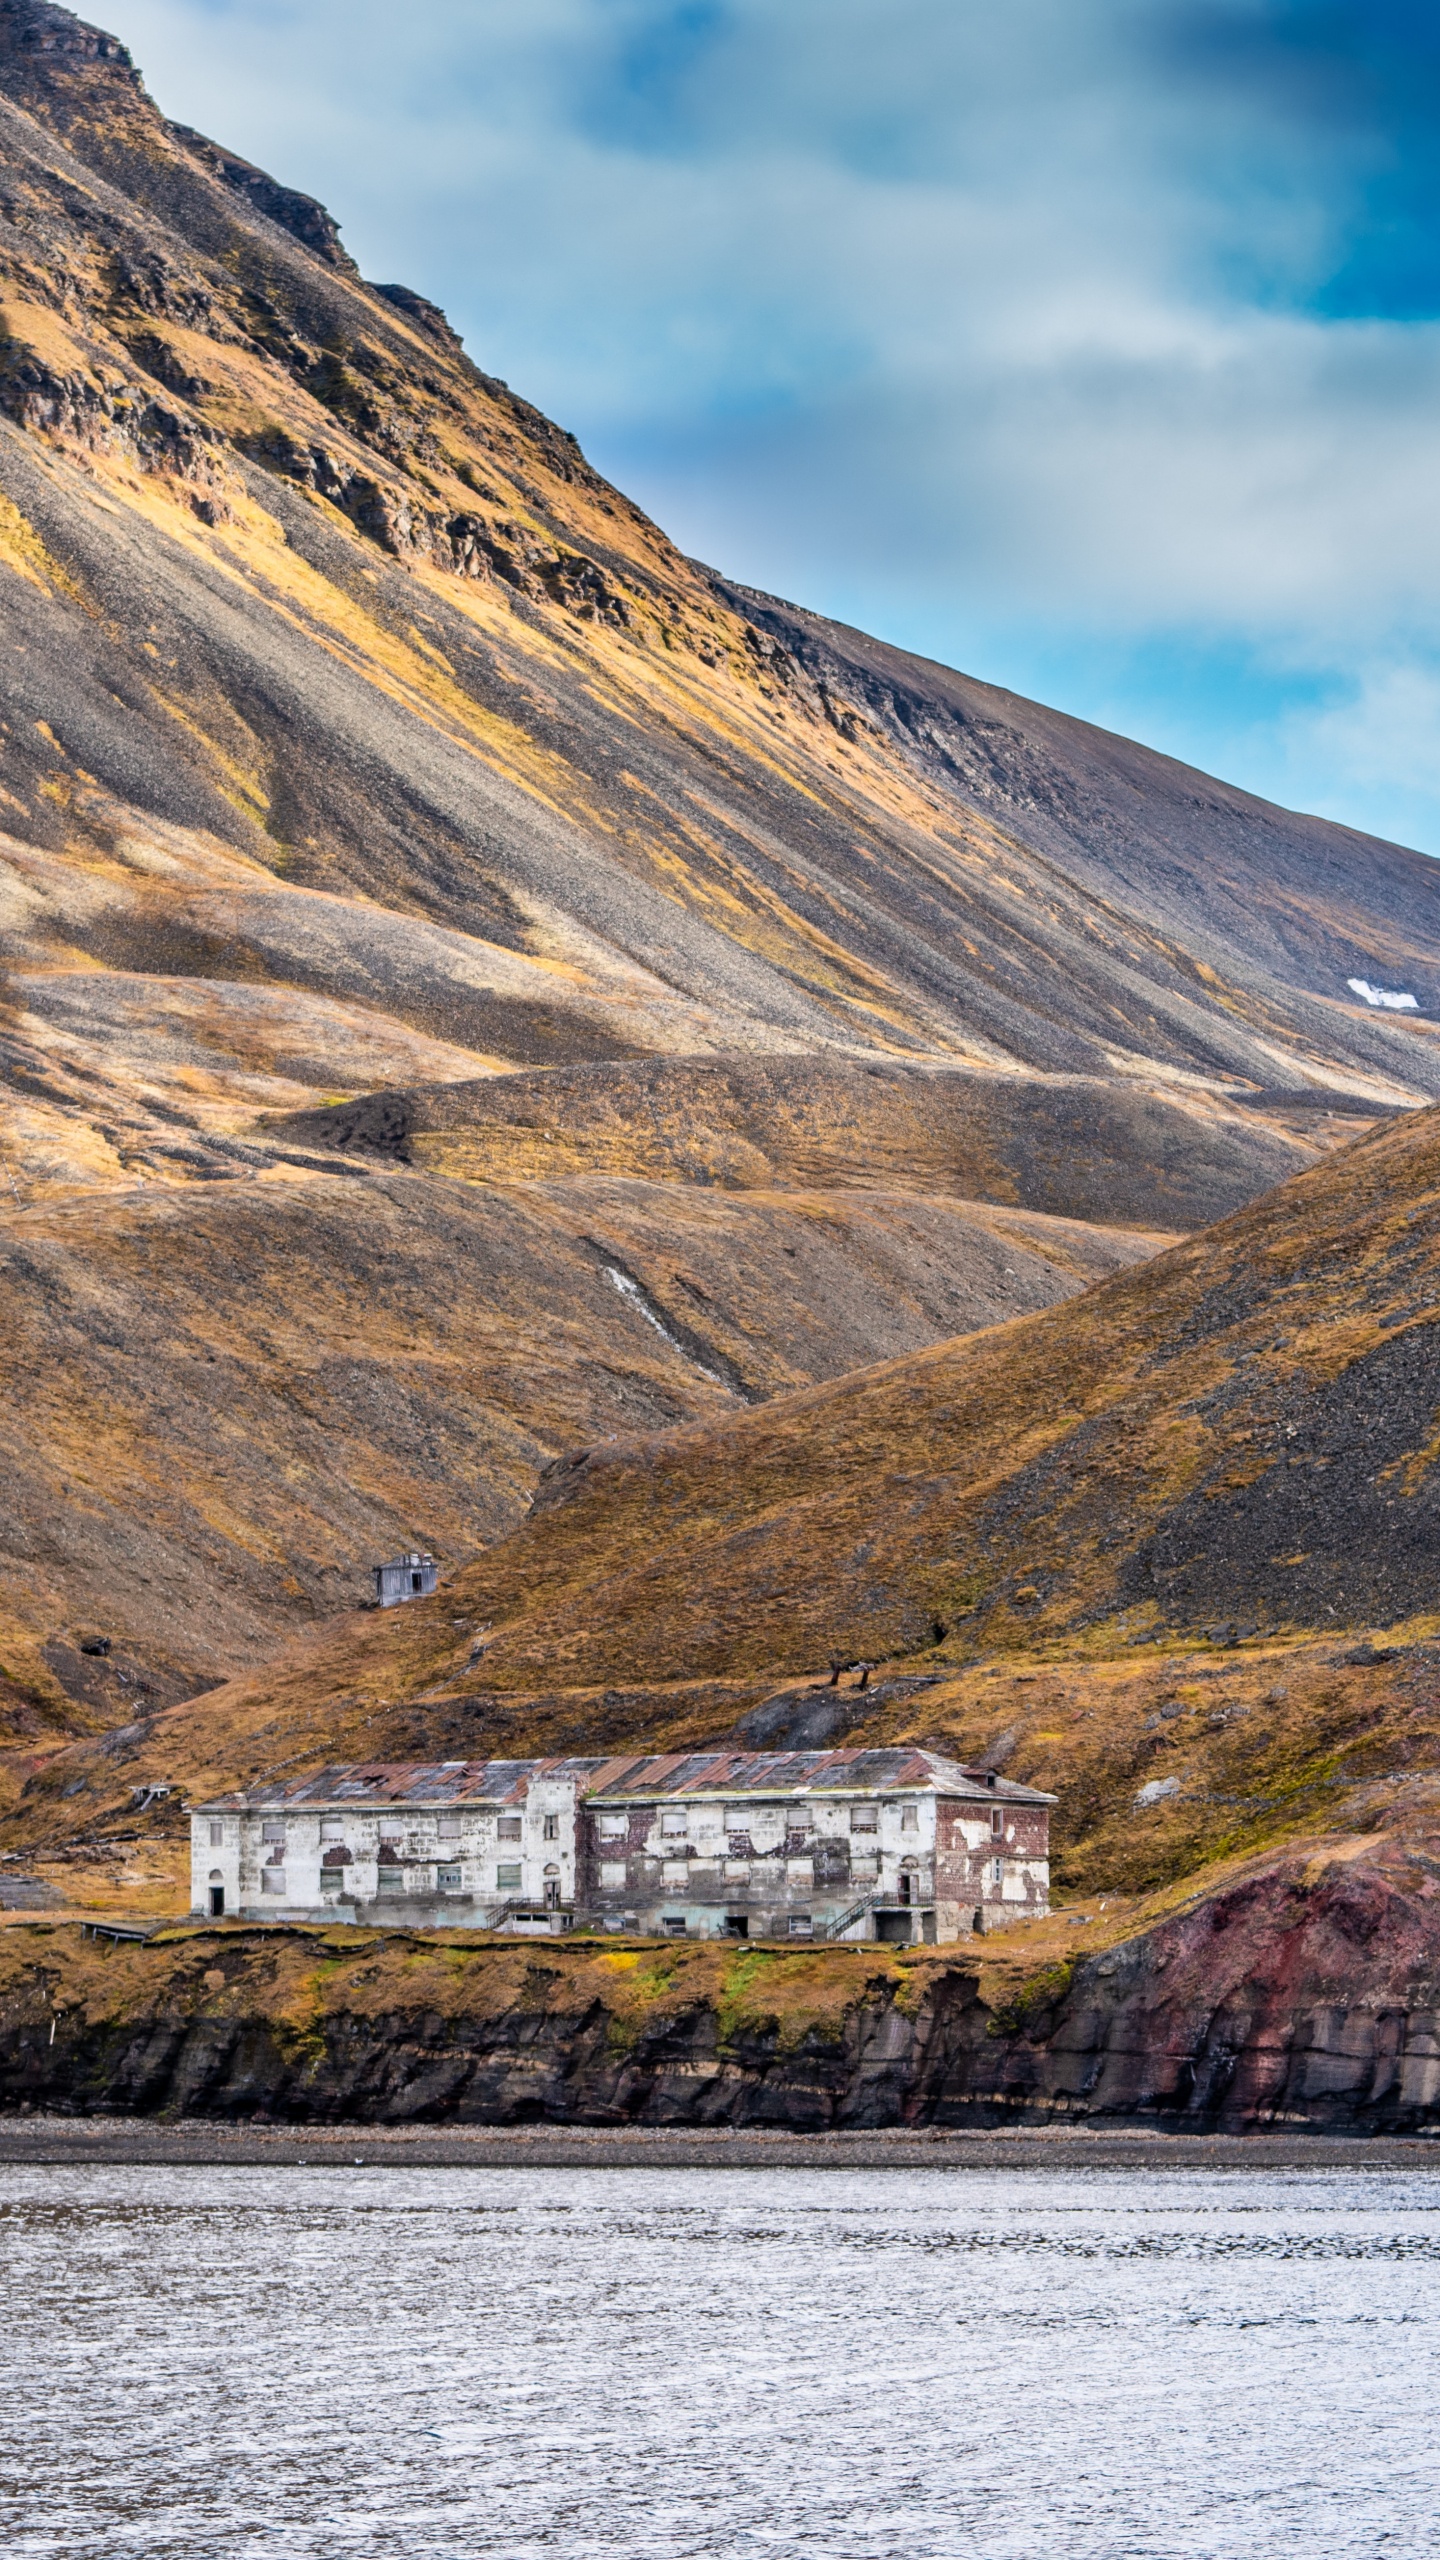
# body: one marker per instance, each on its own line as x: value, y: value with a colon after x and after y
x: 901, y: 1844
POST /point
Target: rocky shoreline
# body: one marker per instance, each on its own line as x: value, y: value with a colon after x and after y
x: 102, y: 2142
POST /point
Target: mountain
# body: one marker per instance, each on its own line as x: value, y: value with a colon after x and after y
x: 478, y: 984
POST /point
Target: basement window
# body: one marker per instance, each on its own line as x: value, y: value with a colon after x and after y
x: 272, y: 1879
x: 673, y: 1924
x: 801, y: 1925
x: 509, y: 1827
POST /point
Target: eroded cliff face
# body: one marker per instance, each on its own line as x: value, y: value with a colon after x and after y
x: 1305, y: 1994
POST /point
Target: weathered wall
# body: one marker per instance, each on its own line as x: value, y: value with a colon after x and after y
x: 1306, y: 1995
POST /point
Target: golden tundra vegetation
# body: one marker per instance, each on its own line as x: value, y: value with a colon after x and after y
x: 490, y: 1005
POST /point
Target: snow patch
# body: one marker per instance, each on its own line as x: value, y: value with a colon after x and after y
x: 1392, y: 1002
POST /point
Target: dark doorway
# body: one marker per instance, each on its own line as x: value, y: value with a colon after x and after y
x: 908, y: 1886
x: 552, y: 1893
x: 737, y: 1924
x: 217, y: 1902
x: 892, y: 1928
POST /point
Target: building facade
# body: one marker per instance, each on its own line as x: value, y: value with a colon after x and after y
x: 411, y: 1577
x: 902, y: 1845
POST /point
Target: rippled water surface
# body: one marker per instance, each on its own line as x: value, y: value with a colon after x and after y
x: 370, y: 2364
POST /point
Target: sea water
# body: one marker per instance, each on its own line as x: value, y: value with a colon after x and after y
x: 449, y: 2364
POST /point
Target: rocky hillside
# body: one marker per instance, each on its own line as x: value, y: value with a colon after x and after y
x: 474, y: 981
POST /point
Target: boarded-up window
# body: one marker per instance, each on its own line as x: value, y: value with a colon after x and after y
x: 272, y: 1830
x: 675, y: 1823
x: 909, y: 1817
x: 508, y: 1879
x: 272, y: 1879
x: 864, y: 1817
x: 217, y: 1834
x: 450, y: 1826
x: 612, y: 1871
x: 510, y: 1827
x: 612, y: 1826
x: 801, y: 1925
x: 332, y: 1826
x: 674, y: 1871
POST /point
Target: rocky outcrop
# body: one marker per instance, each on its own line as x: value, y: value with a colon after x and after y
x: 1305, y: 1997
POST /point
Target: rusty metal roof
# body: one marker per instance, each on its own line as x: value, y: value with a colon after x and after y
x: 627, y: 1776
x: 857, y: 1771
x: 414, y: 1782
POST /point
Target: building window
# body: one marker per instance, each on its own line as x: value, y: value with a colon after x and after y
x: 801, y: 1925
x: 391, y: 1879
x: 217, y: 1835
x: 449, y: 1826
x: 998, y: 1870
x: 612, y: 1871
x: 332, y: 1879
x: 997, y: 1822
x: 612, y: 1826
x: 508, y: 1879
x: 272, y: 1879
x: 673, y: 1924
x: 673, y: 1826
x: 272, y: 1830
x: 448, y: 1879
x: 909, y: 1817
x: 509, y: 1827
x: 552, y: 1826
x: 737, y: 1870
x: 674, y: 1871
x: 332, y: 1826
x: 864, y: 1817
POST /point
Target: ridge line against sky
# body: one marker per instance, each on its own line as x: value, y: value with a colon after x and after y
x: 1090, y: 345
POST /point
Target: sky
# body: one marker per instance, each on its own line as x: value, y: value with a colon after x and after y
x: 1092, y: 346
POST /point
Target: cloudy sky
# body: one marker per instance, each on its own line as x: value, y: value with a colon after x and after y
x: 1090, y: 345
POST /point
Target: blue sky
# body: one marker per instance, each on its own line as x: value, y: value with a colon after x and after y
x: 1090, y: 345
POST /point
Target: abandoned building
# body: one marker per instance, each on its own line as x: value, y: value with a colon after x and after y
x: 899, y: 1844
x: 406, y: 1578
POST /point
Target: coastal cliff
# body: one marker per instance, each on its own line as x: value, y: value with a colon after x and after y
x: 1303, y: 1996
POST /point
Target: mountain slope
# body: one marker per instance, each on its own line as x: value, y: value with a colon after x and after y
x: 1125, y: 1546
x: 476, y: 982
